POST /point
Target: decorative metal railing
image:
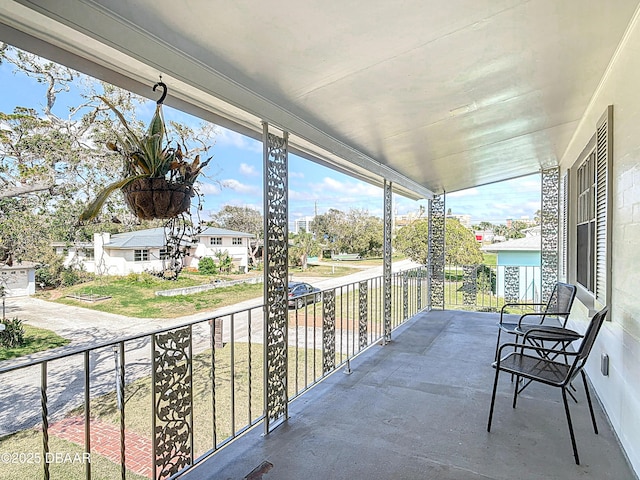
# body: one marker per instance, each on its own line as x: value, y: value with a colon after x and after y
x: 158, y: 403
x: 489, y: 287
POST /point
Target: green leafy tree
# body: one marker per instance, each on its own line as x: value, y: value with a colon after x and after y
x: 52, y: 160
x: 516, y: 229
x: 225, y: 262
x: 301, y: 246
x: 413, y: 241
x: 461, y: 247
x: 353, y: 232
x: 326, y: 228
x: 362, y: 233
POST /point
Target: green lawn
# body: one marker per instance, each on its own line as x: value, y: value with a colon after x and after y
x: 37, y: 339
x: 134, y: 296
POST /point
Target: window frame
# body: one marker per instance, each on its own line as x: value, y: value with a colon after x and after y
x: 141, y: 255
x: 215, y: 241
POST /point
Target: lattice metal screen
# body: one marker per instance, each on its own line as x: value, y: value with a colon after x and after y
x: 405, y: 295
x: 172, y: 402
x: 550, y: 221
x: 419, y: 290
x: 511, y: 284
x: 363, y: 313
x: 275, y: 271
x: 387, y: 260
x: 328, y: 331
x: 469, y: 284
x: 436, y: 250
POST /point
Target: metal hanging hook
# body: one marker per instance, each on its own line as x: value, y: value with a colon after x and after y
x: 164, y: 92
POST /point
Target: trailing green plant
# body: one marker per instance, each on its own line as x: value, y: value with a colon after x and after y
x: 146, y: 156
x: 13, y: 334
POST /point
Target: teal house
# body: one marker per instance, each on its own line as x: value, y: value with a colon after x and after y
x: 518, y: 261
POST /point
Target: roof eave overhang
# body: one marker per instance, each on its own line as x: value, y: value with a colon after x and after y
x: 195, y: 88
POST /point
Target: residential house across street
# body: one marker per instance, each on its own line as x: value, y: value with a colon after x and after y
x: 146, y: 250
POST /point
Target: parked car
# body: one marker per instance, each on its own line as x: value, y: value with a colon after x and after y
x: 301, y: 294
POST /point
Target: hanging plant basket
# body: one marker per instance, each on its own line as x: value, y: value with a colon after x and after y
x: 151, y: 198
x: 158, y: 178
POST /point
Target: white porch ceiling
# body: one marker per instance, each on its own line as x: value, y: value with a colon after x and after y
x: 433, y: 95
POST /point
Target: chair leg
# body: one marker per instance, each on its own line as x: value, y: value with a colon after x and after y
x: 497, y: 345
x: 493, y: 399
x: 573, y: 438
x: 586, y: 391
x: 515, y: 390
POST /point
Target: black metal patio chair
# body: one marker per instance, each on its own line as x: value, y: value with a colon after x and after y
x: 556, y: 309
x: 526, y: 362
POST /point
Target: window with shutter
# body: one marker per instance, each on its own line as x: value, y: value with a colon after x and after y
x: 591, y: 178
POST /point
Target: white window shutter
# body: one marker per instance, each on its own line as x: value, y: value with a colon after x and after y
x: 604, y: 146
x: 564, y: 198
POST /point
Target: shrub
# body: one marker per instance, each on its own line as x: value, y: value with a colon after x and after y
x: 49, y: 274
x: 486, y: 279
x: 207, y: 266
x: 69, y: 277
x: 13, y: 334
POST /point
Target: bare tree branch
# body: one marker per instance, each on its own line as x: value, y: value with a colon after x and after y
x: 25, y: 189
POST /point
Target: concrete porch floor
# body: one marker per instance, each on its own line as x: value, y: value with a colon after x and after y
x: 417, y: 409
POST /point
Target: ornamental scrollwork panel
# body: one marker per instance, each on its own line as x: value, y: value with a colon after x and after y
x: 387, y: 259
x: 276, y: 256
x: 172, y: 401
x: 511, y: 284
x: 436, y: 250
x: 328, y: 331
x: 363, y: 313
x: 549, y: 228
x: 469, y: 284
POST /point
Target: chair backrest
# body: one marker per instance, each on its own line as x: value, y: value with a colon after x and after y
x: 587, y: 344
x: 590, y: 335
x: 560, y: 302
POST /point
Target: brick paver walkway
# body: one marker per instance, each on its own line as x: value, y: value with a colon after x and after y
x: 105, y: 441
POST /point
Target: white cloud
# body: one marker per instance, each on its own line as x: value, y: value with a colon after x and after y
x: 239, y: 187
x: 248, y: 170
x: 301, y: 196
x: 209, y: 188
x: 233, y: 139
x: 296, y: 174
x: 353, y: 189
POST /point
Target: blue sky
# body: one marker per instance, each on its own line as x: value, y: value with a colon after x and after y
x: 234, y: 175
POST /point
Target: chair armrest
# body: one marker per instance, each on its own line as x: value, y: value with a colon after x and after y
x: 518, y: 304
x: 541, y: 314
x: 533, y: 348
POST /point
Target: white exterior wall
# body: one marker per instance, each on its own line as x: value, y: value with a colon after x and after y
x: 76, y: 256
x: 620, y: 337
x: 239, y: 253
x: 110, y: 261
